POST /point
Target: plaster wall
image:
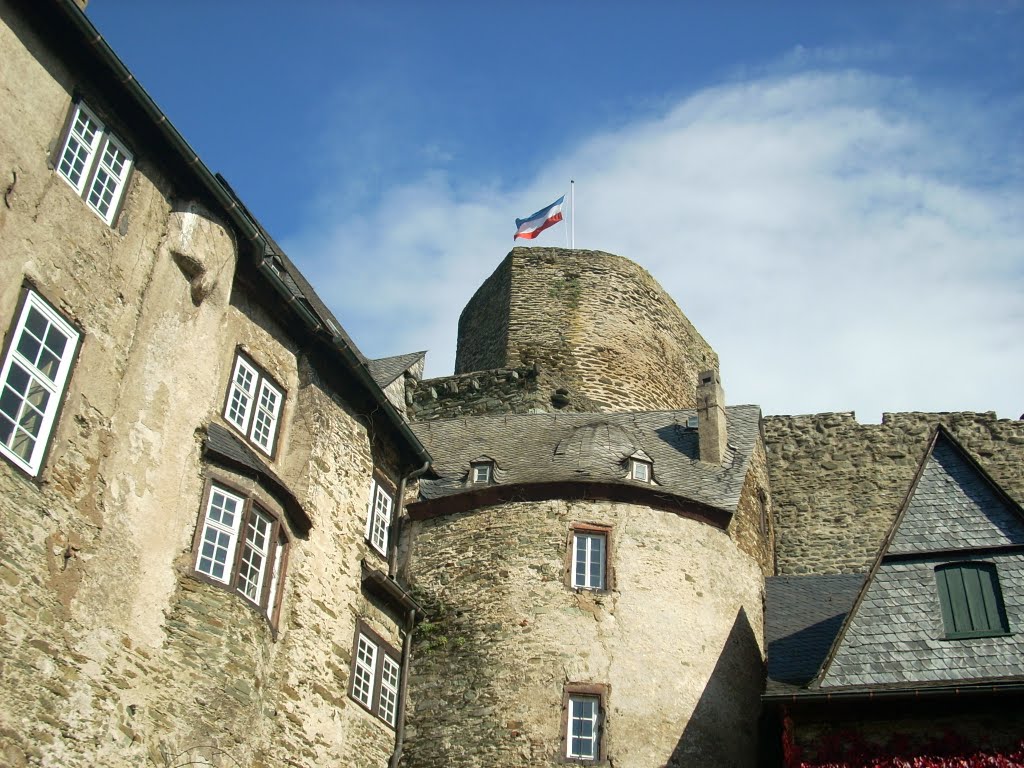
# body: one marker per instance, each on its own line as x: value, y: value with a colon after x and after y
x: 113, y: 654
x: 677, y: 638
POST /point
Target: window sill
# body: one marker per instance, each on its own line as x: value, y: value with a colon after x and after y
x: 974, y: 635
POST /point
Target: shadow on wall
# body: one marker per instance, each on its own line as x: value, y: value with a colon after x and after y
x: 722, y: 731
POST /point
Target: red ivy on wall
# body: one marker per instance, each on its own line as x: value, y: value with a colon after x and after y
x: 849, y: 749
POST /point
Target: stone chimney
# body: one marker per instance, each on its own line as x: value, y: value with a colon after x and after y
x: 711, y: 429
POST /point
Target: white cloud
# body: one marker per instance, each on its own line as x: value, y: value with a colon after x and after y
x: 824, y: 232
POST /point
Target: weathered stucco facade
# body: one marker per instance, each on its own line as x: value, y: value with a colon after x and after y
x: 676, y: 638
x: 114, y: 654
x: 423, y: 601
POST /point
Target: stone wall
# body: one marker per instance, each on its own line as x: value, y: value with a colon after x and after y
x: 507, y: 390
x: 597, y: 323
x: 837, y: 484
x: 115, y: 654
x: 677, y: 638
x: 752, y: 526
x: 499, y: 390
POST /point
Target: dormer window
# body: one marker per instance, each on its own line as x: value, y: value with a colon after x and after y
x: 640, y: 470
x: 481, y: 473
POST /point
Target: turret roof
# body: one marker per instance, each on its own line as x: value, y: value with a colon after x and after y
x: 589, y: 449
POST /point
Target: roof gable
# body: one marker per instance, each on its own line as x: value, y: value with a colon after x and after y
x: 954, y: 505
x: 894, y: 634
x: 386, y: 369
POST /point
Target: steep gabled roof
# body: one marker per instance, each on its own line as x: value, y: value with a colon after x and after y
x: 893, y: 636
x: 589, y: 452
x: 386, y: 369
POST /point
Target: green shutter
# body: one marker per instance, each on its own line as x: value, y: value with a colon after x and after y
x: 970, y: 599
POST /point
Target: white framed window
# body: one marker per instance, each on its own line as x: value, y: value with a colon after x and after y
x: 378, y: 517
x: 95, y: 163
x: 241, y: 547
x: 253, y: 404
x: 584, y: 708
x: 589, y: 559
x: 387, y: 707
x: 376, y: 675
x: 640, y: 470
x: 364, y: 671
x: 34, y: 377
x: 482, y: 473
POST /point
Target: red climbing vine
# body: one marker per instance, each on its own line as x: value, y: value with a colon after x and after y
x: 849, y: 749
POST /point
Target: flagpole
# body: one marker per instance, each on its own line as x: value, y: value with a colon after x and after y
x: 572, y: 213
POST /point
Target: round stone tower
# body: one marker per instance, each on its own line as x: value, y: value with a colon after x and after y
x: 591, y: 577
x: 596, y: 322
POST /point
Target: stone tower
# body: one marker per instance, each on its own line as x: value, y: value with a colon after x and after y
x: 596, y: 322
x: 592, y: 569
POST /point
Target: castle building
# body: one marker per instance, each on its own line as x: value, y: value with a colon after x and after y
x: 229, y: 538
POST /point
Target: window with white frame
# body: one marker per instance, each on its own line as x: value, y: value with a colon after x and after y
x: 376, y: 674
x: 378, y: 517
x: 482, y: 472
x: 253, y: 405
x: 583, y: 723
x: 242, y: 547
x: 95, y: 163
x: 37, y: 364
x: 589, y: 559
x: 640, y: 470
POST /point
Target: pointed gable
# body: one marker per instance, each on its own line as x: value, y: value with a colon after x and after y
x: 954, y: 506
x: 956, y: 525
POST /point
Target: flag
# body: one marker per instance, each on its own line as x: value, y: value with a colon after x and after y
x: 536, y: 223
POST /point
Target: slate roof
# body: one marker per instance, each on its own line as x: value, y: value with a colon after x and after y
x: 954, y: 505
x: 292, y: 277
x: 803, y: 614
x: 590, y: 448
x: 229, y: 449
x: 894, y: 635
x: 386, y: 369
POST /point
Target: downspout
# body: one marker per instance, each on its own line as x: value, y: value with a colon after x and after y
x: 410, y: 623
x: 400, y: 518
x: 410, y: 619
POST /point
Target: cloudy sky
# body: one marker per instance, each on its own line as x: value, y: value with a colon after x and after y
x: 832, y: 192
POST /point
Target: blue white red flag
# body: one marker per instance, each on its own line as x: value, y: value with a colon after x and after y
x: 536, y: 223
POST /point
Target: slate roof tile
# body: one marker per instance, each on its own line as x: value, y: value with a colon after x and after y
x: 802, y: 616
x: 555, y: 447
x: 385, y: 370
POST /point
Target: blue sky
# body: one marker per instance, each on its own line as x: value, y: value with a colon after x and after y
x: 832, y: 192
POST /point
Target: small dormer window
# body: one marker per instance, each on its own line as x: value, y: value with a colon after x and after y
x: 640, y: 470
x: 481, y: 473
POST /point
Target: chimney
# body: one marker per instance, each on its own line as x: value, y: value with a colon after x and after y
x: 711, y: 431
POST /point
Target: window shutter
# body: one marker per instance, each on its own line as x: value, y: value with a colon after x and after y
x: 993, y: 612
x: 369, y: 509
x: 970, y: 599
